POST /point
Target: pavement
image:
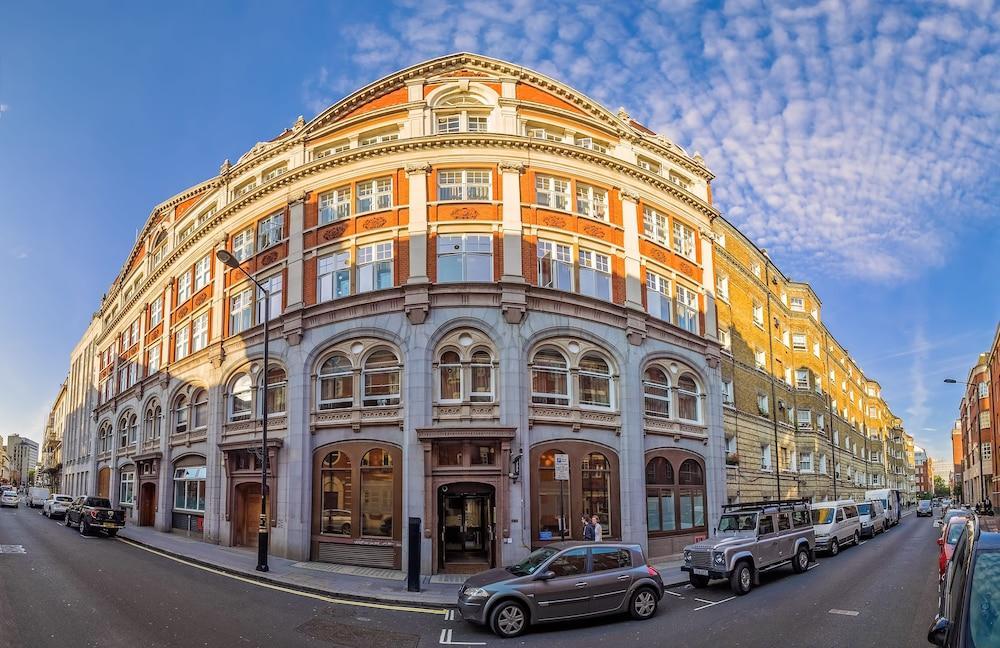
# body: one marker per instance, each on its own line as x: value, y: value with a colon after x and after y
x: 58, y: 588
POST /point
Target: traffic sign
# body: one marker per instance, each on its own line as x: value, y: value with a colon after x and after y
x: 562, y: 467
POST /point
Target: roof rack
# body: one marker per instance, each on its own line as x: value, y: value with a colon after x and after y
x: 778, y: 504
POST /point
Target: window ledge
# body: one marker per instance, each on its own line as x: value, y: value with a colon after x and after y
x: 466, y: 411
x: 356, y: 417
x: 675, y: 428
x: 274, y: 422
x: 575, y: 417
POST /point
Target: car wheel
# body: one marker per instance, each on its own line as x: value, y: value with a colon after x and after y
x: 698, y: 581
x: 83, y: 528
x: 801, y: 562
x: 834, y: 547
x: 857, y: 538
x: 346, y: 529
x: 66, y: 520
x: 509, y: 619
x: 741, y: 580
x: 643, y: 603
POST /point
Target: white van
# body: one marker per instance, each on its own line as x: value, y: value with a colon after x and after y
x: 891, y: 501
x: 37, y: 496
x: 872, y: 518
x: 836, y: 525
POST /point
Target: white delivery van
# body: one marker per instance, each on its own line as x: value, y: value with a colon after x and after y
x: 872, y: 518
x: 836, y: 524
x: 892, y: 503
x: 37, y: 496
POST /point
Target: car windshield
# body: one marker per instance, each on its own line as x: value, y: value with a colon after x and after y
x: 864, y: 509
x: 924, y: 504
x: 101, y: 502
x: 735, y: 522
x: 64, y: 498
x: 953, y: 514
x: 954, y: 531
x: 531, y: 563
x: 822, y: 515
x: 984, y: 601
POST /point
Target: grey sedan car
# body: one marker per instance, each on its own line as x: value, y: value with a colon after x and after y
x: 561, y: 581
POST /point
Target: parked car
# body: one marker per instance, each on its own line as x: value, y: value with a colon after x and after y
x: 969, y: 596
x: 10, y: 497
x: 563, y: 580
x: 891, y: 501
x: 872, y: 518
x: 37, y: 496
x: 94, y: 514
x: 56, y: 505
x: 925, y: 508
x: 955, y: 512
x: 949, y: 538
x: 751, y: 538
x: 836, y: 524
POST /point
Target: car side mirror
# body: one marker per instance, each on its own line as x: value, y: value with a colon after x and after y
x: 940, y: 542
x: 939, y: 631
x: 937, y: 523
x: 546, y: 575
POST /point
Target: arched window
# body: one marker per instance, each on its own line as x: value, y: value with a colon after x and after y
x: 461, y: 112
x: 596, y: 475
x: 276, y: 391
x: 123, y: 431
x: 688, y: 398
x: 381, y: 379
x: 656, y: 389
x: 105, y: 437
x: 691, y: 473
x: 133, y: 429
x: 661, y: 514
x: 180, y: 414
x: 337, y: 504
x: 241, y: 399
x: 199, y: 405
x: 482, y: 377
x: 549, y: 378
x: 450, y: 369
x: 595, y: 382
x: 376, y: 497
x: 336, y: 383
x: 551, y: 518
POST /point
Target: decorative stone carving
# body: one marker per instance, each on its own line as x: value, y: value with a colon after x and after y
x: 225, y: 168
x: 374, y: 222
x: 713, y: 362
x: 269, y: 258
x: 512, y: 165
x: 623, y: 114
x: 628, y: 194
x: 659, y: 255
x: 334, y: 232
x: 200, y: 299
x: 464, y: 213
x: 685, y: 268
x: 414, y: 168
x: 183, y: 311
x: 554, y: 221
x: 595, y: 231
x: 299, y: 123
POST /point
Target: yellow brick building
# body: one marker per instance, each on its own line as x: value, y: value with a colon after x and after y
x: 800, y: 417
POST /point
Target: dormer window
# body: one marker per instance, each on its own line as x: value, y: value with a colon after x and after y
x: 380, y: 137
x: 592, y: 144
x: 330, y: 149
x: 460, y: 113
x: 545, y: 133
x: 679, y: 180
x: 648, y: 165
x: 274, y: 173
x: 185, y: 232
x: 245, y: 188
x: 159, y: 248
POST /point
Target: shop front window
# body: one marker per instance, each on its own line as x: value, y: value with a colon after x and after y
x: 376, y: 493
x: 189, y: 489
x: 550, y: 516
x: 337, y: 498
x: 660, y: 495
x: 596, y: 477
x: 674, y: 501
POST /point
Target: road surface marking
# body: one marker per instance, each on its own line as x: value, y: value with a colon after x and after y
x: 703, y: 601
x: 713, y: 603
x: 449, y: 615
x: 862, y: 542
x: 673, y: 593
x: 446, y: 640
x: 12, y: 549
x: 845, y: 612
x: 813, y: 566
x: 319, y: 597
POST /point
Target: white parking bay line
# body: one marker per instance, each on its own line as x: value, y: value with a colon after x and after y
x: 813, y: 566
x: 845, y: 612
x: 446, y: 640
x: 673, y: 593
x: 713, y: 603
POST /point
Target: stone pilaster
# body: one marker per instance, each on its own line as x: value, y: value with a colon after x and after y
x: 416, y: 300
x: 513, y: 301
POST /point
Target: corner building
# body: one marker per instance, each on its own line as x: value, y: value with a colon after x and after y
x: 472, y: 268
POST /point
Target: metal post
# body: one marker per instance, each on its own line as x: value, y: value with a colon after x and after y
x: 262, y: 531
x: 562, y: 514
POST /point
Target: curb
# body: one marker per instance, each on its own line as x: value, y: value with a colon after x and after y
x: 294, y: 586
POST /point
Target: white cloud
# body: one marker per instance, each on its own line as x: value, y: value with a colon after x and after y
x: 849, y: 138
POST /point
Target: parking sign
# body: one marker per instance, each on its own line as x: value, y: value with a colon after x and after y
x: 562, y: 467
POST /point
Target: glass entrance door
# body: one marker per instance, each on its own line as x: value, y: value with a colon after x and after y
x: 465, y: 528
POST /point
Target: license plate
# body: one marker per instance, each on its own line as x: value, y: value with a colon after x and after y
x: 700, y: 572
x: 108, y: 525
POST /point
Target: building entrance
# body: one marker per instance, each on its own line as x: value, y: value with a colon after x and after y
x: 466, y: 527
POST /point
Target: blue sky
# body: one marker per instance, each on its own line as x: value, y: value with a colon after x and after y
x: 855, y: 141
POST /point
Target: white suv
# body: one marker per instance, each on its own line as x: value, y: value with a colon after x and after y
x: 9, y: 497
x: 56, y: 505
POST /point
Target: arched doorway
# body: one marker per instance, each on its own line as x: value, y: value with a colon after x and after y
x: 247, y: 519
x: 147, y: 504
x: 104, y: 482
x: 466, y: 527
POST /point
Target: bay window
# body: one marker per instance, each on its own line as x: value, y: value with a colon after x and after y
x: 375, y: 267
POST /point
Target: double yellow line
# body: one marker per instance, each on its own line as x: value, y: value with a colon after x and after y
x: 288, y: 590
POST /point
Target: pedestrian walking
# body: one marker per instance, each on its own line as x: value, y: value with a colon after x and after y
x: 588, y: 529
x: 598, y: 530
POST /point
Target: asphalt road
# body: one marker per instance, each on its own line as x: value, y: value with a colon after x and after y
x: 67, y: 590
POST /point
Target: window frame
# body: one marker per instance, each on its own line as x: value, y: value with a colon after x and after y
x: 464, y: 185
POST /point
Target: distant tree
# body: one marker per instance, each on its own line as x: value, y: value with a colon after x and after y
x: 31, y: 477
x: 956, y: 491
x: 941, y: 489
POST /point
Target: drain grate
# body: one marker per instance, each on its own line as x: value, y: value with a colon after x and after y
x: 351, y: 636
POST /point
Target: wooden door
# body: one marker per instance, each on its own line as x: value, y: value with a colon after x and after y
x: 249, y: 521
x: 104, y: 483
x: 147, y: 504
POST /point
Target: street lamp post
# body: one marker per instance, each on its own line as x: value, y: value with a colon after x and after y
x: 979, y: 430
x: 263, y: 526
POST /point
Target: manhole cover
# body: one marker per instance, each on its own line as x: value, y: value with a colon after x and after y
x: 352, y: 636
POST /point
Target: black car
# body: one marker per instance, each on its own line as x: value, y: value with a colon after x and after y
x: 969, y: 607
x: 94, y: 514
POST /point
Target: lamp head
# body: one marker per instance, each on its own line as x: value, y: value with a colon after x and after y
x: 951, y: 381
x: 227, y: 258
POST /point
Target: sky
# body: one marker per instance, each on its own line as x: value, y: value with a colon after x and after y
x: 855, y: 141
